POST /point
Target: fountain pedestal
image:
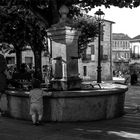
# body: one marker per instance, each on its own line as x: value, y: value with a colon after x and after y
x: 64, y: 52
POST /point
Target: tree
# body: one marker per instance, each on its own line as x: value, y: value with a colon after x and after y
x: 48, y: 9
x: 12, y: 30
x: 21, y: 27
x: 89, y: 30
x: 35, y: 33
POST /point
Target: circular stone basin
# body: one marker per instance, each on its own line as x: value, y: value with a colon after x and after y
x: 78, y: 105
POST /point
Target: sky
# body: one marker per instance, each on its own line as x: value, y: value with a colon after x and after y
x: 126, y: 20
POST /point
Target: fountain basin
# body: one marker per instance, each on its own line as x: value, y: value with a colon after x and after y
x: 80, y: 105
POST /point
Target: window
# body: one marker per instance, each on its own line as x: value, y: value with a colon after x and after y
x: 125, y: 55
x: 86, y: 56
x: 126, y: 44
x: 135, y: 52
x: 93, y: 53
x: 10, y: 60
x: 123, y: 45
x: 115, y: 44
x: 128, y: 55
x: 29, y: 61
x: 102, y: 32
x: 85, y: 70
x: 101, y: 52
x: 92, y: 49
x: 117, y: 56
x: 105, y: 57
x: 131, y: 53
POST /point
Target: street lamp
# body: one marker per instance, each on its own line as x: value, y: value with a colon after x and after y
x: 99, y: 16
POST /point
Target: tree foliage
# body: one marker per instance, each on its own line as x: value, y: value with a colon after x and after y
x: 88, y: 27
x: 12, y: 28
x: 21, y: 27
x: 92, y: 3
x: 48, y: 9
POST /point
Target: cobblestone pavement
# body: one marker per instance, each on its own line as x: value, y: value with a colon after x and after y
x: 126, y: 127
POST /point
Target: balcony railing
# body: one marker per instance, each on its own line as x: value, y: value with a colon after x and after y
x: 104, y: 57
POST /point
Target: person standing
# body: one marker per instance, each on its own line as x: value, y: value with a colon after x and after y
x: 134, y: 78
x: 3, y: 72
x: 36, y: 102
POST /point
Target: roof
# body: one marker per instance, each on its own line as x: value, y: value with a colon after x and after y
x: 136, y: 37
x: 120, y: 36
x: 109, y: 21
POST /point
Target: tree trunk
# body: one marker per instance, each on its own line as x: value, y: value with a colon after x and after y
x: 18, y: 59
x: 38, y: 64
x: 54, y: 11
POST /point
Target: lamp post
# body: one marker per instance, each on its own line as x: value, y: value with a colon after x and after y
x: 98, y: 16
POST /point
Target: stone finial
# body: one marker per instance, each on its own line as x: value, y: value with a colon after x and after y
x: 64, y: 20
x: 63, y: 12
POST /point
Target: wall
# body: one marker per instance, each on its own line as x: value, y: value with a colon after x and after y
x: 29, y: 53
x: 61, y: 106
x: 106, y: 63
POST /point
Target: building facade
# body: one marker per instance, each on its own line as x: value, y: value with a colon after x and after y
x: 88, y: 65
x: 135, y: 54
x: 120, y: 52
x: 27, y: 57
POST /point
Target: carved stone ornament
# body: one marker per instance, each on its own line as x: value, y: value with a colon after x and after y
x: 63, y: 12
x: 64, y: 20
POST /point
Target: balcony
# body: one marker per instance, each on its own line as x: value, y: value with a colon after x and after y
x: 104, y: 57
x: 125, y: 60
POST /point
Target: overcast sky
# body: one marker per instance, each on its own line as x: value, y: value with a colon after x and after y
x: 126, y: 20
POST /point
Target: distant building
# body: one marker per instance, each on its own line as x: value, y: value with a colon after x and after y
x: 135, y: 54
x: 120, y: 52
x: 135, y: 49
x: 88, y: 64
x: 27, y: 57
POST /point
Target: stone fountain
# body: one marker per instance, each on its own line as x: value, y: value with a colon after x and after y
x: 64, y: 52
x: 68, y: 101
